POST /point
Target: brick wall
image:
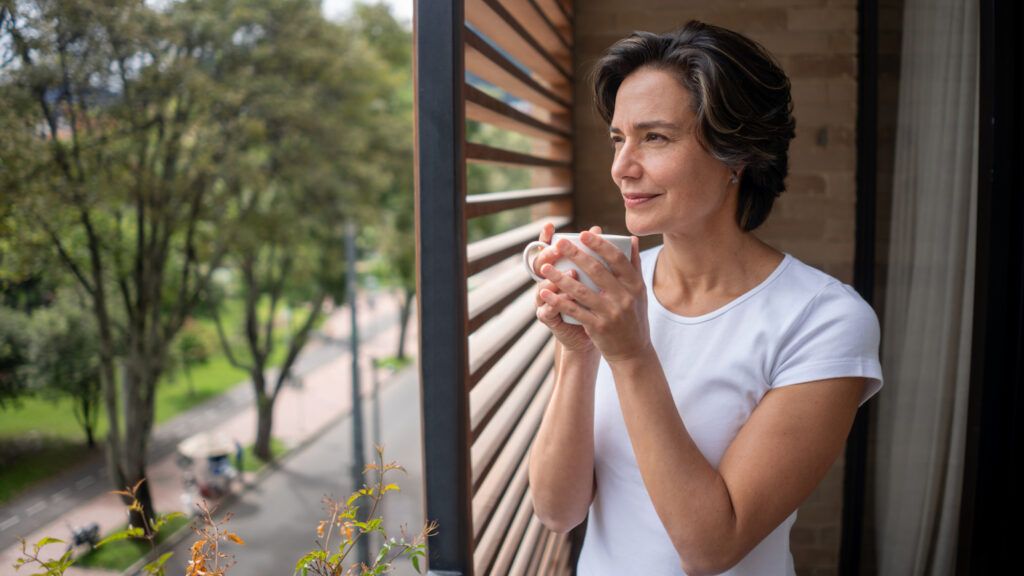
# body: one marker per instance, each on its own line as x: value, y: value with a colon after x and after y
x: 816, y: 43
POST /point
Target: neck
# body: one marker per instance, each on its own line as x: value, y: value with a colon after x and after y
x: 710, y: 263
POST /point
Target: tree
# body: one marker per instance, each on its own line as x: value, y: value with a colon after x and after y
x: 314, y: 113
x: 13, y: 356
x: 191, y: 348
x: 64, y: 359
x: 390, y: 228
x: 122, y: 124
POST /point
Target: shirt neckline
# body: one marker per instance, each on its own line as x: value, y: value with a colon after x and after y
x: 662, y: 310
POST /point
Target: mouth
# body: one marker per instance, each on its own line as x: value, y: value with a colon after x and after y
x: 633, y: 200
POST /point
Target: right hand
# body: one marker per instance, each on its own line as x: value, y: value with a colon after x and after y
x: 572, y: 337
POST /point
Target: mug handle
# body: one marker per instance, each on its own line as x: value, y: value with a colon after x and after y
x: 529, y: 257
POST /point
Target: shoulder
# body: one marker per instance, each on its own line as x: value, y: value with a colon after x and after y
x: 832, y: 332
x: 823, y: 299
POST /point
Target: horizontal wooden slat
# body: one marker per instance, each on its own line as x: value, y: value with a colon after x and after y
x: 488, y: 344
x: 567, y: 7
x: 485, y: 61
x: 524, y: 373
x: 484, y: 204
x: 488, y: 300
x: 483, y: 154
x: 484, y: 253
x: 526, y: 548
x: 497, y: 23
x: 533, y: 568
x: 533, y: 19
x: 494, y: 517
x: 542, y: 557
x: 560, y: 558
x: 510, y: 542
x: 498, y: 402
x: 497, y: 481
x: 483, y: 107
x: 557, y: 15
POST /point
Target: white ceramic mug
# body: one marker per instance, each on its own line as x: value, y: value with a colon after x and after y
x: 623, y: 243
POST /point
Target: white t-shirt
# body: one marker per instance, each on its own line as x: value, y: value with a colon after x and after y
x: 798, y: 325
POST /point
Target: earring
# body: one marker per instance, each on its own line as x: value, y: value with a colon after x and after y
x: 734, y: 178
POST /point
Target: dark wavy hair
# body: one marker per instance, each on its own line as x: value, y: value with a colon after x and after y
x: 740, y: 96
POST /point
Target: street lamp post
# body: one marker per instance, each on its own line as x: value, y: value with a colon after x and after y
x: 358, y: 461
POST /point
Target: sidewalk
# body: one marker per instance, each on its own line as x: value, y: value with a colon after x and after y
x: 299, y: 414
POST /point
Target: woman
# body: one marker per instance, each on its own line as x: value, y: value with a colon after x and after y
x: 720, y: 376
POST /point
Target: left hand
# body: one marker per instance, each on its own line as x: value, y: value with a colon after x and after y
x: 615, y: 318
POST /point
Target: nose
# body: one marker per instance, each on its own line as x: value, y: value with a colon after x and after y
x: 626, y: 164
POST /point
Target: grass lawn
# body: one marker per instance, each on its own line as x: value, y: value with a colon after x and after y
x: 250, y: 463
x: 25, y: 461
x: 123, y: 553
x: 41, y: 437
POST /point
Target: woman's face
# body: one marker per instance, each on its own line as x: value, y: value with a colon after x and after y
x: 657, y: 156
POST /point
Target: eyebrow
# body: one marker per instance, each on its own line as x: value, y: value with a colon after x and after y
x: 663, y: 124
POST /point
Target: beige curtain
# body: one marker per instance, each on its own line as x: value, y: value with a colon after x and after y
x: 922, y: 411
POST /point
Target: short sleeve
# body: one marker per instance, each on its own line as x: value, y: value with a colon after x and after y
x: 836, y: 335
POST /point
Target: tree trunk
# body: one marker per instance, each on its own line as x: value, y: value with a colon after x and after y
x: 404, y: 322
x: 147, y: 513
x: 139, y: 394
x: 88, y: 407
x: 264, y: 421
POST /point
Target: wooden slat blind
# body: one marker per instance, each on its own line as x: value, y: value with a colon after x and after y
x: 509, y: 68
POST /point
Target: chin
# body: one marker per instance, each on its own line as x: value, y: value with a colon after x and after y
x: 639, y: 228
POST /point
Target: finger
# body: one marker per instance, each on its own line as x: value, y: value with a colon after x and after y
x: 548, y: 255
x: 595, y: 229
x: 604, y: 280
x: 572, y: 287
x: 549, y: 285
x: 562, y: 304
x: 547, y: 232
x: 619, y: 265
x: 547, y: 315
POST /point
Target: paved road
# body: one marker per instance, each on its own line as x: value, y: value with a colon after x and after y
x: 278, y: 517
x: 47, y: 501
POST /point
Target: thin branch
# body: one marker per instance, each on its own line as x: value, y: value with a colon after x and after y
x: 68, y: 98
x: 227, y: 345
x: 251, y: 311
x: 276, y: 287
x: 298, y: 342
x: 64, y: 256
x: 24, y: 52
x: 188, y: 265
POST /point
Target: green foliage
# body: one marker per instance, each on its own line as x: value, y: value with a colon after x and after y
x: 194, y: 346
x: 64, y: 358
x: 26, y: 461
x: 14, y: 355
x: 124, y: 551
x: 52, y: 566
x: 344, y: 521
x: 393, y: 363
x: 252, y: 463
x: 124, y: 547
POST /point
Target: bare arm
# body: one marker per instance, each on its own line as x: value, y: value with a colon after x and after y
x: 715, y: 517
x: 562, y: 457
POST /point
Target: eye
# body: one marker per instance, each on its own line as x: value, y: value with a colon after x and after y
x: 655, y: 137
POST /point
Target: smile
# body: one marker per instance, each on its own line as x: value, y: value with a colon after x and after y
x: 634, y: 201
